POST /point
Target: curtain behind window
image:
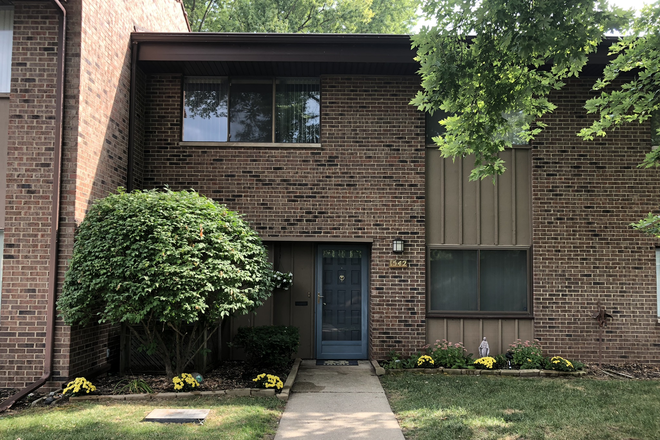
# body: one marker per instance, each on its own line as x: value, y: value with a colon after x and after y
x: 298, y: 110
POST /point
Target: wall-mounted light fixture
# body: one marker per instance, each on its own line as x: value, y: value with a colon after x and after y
x: 397, y: 246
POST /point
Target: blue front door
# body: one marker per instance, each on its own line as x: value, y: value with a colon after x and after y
x: 341, y: 301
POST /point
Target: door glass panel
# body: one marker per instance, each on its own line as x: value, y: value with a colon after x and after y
x: 342, y: 296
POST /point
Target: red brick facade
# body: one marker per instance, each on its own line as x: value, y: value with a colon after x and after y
x: 366, y: 181
x: 585, y: 195
x: 94, y: 163
x: 362, y: 184
x: 29, y: 194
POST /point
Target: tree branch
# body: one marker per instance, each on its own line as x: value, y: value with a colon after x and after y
x: 206, y: 13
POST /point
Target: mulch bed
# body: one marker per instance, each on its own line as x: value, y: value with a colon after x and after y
x: 636, y: 371
x: 236, y: 374
x: 228, y: 375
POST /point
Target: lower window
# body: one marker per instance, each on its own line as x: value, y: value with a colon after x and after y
x: 479, y: 280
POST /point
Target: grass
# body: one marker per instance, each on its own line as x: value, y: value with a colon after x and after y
x: 235, y: 418
x: 489, y: 407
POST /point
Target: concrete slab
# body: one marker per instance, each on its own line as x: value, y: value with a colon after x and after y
x: 345, y: 402
x: 169, y: 415
x: 330, y: 379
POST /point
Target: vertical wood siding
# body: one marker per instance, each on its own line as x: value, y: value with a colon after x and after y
x: 464, y: 213
x: 285, y: 307
x: 460, y: 212
x: 499, y: 332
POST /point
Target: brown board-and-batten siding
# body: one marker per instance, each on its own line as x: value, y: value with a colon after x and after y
x: 479, y: 215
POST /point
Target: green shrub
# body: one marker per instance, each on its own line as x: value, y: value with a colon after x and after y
x: 268, y: 346
x: 527, y: 355
x: 398, y: 361
x: 501, y: 362
x: 132, y: 386
x: 173, y: 263
x: 450, y: 355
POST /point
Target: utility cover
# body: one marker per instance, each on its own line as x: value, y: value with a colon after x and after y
x: 171, y: 415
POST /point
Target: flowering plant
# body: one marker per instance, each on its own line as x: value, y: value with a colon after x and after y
x: 77, y: 387
x: 185, y: 382
x: 449, y: 355
x: 486, y: 363
x: 560, y: 364
x: 527, y: 355
x: 268, y: 381
x: 282, y: 280
x: 425, y: 361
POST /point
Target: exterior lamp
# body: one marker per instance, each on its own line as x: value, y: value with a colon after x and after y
x: 397, y: 246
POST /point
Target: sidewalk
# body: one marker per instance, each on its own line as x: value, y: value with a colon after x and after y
x: 338, y: 403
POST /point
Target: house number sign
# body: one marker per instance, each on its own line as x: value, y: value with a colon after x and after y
x: 395, y: 264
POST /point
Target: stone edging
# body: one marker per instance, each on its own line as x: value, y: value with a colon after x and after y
x: 290, y: 379
x: 242, y: 392
x: 515, y: 373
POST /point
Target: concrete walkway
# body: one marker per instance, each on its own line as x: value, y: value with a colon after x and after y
x: 338, y: 403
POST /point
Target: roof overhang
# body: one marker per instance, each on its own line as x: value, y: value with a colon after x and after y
x: 269, y: 54
x: 252, y: 54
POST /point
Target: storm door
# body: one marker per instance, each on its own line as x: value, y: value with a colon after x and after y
x: 341, y: 301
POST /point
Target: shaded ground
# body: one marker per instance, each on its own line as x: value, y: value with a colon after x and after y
x: 228, y: 375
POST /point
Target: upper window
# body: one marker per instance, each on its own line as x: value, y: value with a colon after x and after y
x: 282, y: 110
x: 433, y: 126
x: 516, y: 119
x: 479, y: 280
x: 6, y: 35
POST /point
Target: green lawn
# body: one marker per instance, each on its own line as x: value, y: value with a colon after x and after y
x: 489, y: 407
x: 235, y: 418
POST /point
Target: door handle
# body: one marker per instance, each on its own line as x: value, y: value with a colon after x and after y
x: 318, y: 298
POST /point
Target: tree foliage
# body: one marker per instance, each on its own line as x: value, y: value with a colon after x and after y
x: 170, y: 263
x: 487, y: 59
x: 307, y: 16
x: 517, y: 52
x: 638, y: 98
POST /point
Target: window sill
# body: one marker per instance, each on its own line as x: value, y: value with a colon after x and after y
x: 247, y: 144
x: 479, y: 315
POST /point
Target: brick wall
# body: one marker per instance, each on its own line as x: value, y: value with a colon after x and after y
x: 100, y: 147
x: 365, y: 182
x: 29, y: 191
x: 585, y: 196
x: 94, y: 163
